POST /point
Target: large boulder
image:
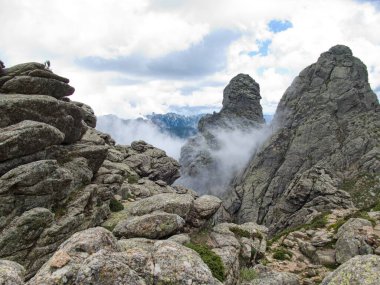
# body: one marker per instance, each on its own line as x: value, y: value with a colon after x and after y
x: 94, y: 256
x: 360, y: 270
x: 27, y: 137
x: 64, y: 116
x: 34, y: 78
x: 352, y: 239
x: 152, y: 162
x: 265, y: 276
x: 11, y: 273
x: 179, y: 204
x: 152, y: 226
x: 326, y: 140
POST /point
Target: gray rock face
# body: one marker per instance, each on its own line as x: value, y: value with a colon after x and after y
x: 152, y: 162
x: 88, y: 114
x: 270, y: 277
x: 11, y: 273
x: 27, y: 137
x: 241, y: 105
x: 95, y: 257
x: 363, y: 270
x: 179, y: 204
x: 152, y: 226
x: 327, y: 134
x: 352, y: 240
x: 64, y: 116
x: 202, y: 166
x: 33, y: 78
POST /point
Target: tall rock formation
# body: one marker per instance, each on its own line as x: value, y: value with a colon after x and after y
x: 325, y: 152
x: 57, y: 173
x: 202, y: 165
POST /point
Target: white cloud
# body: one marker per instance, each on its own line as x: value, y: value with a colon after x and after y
x: 65, y: 31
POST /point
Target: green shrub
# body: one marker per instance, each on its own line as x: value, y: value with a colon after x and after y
x: 337, y: 225
x: 240, y: 232
x: 376, y: 207
x: 213, y: 261
x: 248, y: 274
x: 319, y: 221
x: 132, y: 179
x: 115, y: 205
x: 282, y: 254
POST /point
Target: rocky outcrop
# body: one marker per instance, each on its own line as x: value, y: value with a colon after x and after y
x: 202, y: 165
x: 11, y: 273
x: 64, y: 116
x: 363, y: 270
x: 353, y: 239
x: 324, y: 153
x: 34, y: 78
x: 313, y: 250
x: 241, y: 107
x: 94, y: 256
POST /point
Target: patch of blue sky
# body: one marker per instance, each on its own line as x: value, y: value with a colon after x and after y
x: 263, y: 48
x: 277, y: 26
x: 375, y: 3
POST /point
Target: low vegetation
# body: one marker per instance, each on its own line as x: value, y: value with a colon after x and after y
x: 248, y: 274
x: 319, y: 221
x: 212, y: 260
x: 133, y: 179
x: 115, y: 205
x: 240, y: 232
x: 281, y: 253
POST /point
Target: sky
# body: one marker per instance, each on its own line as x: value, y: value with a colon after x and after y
x: 132, y: 58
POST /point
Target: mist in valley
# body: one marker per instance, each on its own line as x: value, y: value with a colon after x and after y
x: 211, y: 168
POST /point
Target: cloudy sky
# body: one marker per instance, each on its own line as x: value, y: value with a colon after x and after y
x: 135, y: 57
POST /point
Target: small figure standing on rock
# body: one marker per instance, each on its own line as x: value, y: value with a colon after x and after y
x: 47, y: 64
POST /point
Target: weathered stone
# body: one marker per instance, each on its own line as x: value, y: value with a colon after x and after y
x: 152, y: 226
x: 177, y: 264
x: 179, y: 204
x: 59, y: 259
x: 326, y: 257
x: 80, y: 247
x: 64, y: 116
x: 11, y: 273
x: 363, y: 270
x: 352, y: 240
x: 87, y: 112
x: 152, y: 162
x: 270, y: 277
x: 46, y: 73
x: 23, y: 69
x: 27, y: 137
x: 207, y: 205
x: 326, y: 135
x: 22, y: 233
x: 107, y: 268
x: 37, y: 85
x: 97, y: 258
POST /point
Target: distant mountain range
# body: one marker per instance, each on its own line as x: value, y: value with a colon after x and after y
x: 173, y: 124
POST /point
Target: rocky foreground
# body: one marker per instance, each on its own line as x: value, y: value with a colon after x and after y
x: 77, y: 209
